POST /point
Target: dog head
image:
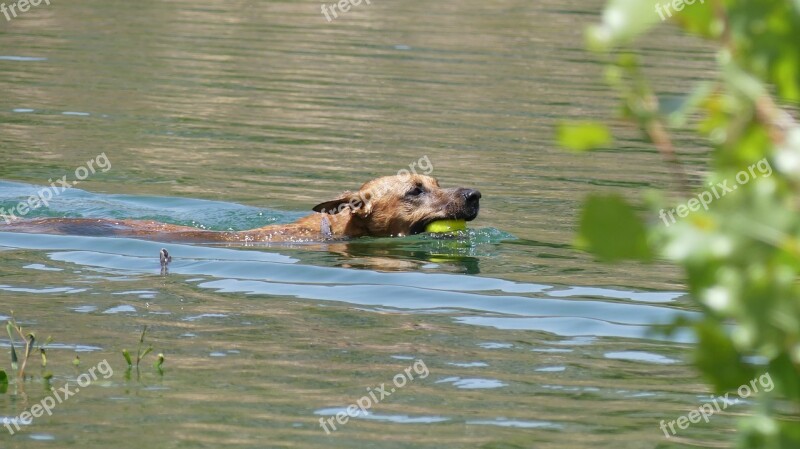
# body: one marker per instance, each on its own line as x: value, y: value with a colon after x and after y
x: 403, y: 205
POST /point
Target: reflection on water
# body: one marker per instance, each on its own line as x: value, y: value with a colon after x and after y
x: 235, y: 115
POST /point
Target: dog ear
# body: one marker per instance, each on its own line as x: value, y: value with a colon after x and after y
x: 332, y: 207
x: 347, y: 200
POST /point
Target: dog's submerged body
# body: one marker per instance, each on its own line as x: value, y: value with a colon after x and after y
x: 388, y: 206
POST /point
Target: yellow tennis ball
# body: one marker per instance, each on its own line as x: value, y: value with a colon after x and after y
x: 446, y: 226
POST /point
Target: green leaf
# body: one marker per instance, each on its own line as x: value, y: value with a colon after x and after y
x: 29, y: 345
x: 785, y: 374
x: 611, y: 230
x: 697, y: 18
x: 582, y: 136
x: 144, y: 331
x: 3, y: 382
x: 146, y: 351
x: 786, y: 74
x: 14, y: 360
x: 159, y: 363
x: 718, y: 359
x: 127, y: 356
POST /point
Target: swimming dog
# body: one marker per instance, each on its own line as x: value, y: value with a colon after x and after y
x: 384, y: 207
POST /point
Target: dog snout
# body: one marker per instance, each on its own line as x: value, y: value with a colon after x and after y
x: 471, y: 195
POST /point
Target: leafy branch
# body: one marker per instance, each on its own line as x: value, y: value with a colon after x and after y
x: 740, y: 251
x: 140, y: 355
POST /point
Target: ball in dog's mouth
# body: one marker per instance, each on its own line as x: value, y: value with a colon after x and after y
x: 440, y: 226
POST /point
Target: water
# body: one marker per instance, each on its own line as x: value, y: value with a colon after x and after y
x: 233, y: 115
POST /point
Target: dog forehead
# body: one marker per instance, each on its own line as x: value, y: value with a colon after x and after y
x: 399, y: 181
x: 387, y: 183
x: 395, y: 186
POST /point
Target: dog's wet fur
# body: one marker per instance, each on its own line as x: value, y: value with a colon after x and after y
x: 384, y: 207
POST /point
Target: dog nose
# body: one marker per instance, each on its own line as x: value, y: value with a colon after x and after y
x: 471, y: 195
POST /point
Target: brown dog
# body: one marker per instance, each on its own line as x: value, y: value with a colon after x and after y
x: 388, y: 206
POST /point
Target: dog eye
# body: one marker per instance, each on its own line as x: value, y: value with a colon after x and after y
x: 416, y: 191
